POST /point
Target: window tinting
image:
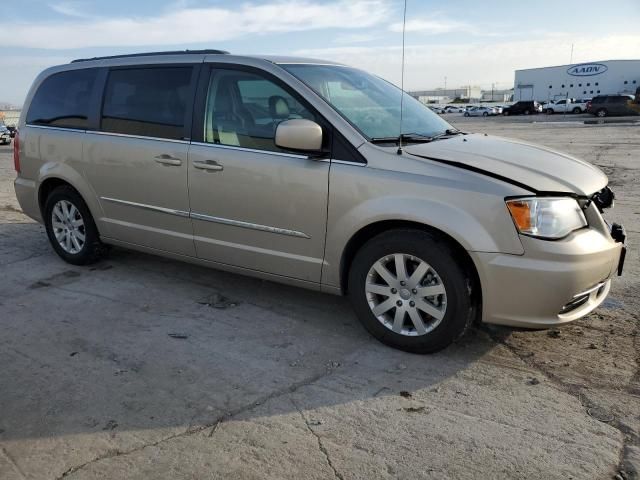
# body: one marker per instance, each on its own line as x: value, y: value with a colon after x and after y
x: 150, y: 102
x: 244, y: 109
x: 63, y: 100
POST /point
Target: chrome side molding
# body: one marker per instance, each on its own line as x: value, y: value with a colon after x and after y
x: 209, y: 218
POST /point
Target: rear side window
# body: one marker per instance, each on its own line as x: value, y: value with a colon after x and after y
x: 150, y: 102
x: 62, y: 100
x: 598, y: 100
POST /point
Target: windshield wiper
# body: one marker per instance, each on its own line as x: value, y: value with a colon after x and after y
x: 450, y: 132
x: 405, y: 137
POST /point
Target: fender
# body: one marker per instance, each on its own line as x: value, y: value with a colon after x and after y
x: 63, y: 171
x: 450, y: 219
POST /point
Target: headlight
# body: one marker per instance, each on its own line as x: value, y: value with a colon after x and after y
x: 550, y: 218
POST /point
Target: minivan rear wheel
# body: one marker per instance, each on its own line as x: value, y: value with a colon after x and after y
x: 71, y: 228
x: 602, y: 112
x: 410, y: 291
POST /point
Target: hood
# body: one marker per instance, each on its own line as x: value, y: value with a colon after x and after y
x: 534, y: 167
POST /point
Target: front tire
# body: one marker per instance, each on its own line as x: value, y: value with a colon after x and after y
x: 410, y: 291
x: 70, y: 227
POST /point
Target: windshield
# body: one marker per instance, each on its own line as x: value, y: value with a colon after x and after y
x: 369, y: 103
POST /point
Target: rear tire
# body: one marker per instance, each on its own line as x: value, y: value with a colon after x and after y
x: 527, y: 112
x: 602, y: 113
x: 70, y: 227
x: 577, y: 110
x: 485, y: 114
x: 441, y: 318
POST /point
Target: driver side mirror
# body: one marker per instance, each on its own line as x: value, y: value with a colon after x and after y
x: 299, y: 135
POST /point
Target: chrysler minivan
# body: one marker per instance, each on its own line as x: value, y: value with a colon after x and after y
x: 307, y: 172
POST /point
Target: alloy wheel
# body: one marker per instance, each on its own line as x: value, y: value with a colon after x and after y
x: 68, y: 226
x: 406, y: 294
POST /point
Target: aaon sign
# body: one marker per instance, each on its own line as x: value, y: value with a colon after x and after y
x: 587, y: 69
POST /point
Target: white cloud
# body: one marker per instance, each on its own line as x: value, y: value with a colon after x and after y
x: 71, y: 9
x: 354, y: 38
x: 434, y: 26
x: 197, y: 25
x: 478, y: 63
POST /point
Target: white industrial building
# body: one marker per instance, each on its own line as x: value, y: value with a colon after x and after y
x: 582, y: 80
x: 441, y: 95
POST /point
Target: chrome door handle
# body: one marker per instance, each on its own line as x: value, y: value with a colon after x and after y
x: 166, y: 159
x: 210, y: 165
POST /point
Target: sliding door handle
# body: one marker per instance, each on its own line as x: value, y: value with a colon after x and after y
x: 210, y: 165
x: 166, y: 159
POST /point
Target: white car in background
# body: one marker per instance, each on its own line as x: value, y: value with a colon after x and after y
x: 567, y: 105
x: 5, y: 135
x: 452, y: 109
x: 479, y: 112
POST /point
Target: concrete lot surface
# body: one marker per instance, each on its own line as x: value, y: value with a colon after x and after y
x: 141, y: 367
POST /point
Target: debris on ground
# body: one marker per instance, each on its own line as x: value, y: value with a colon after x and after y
x: 533, y: 381
x: 180, y: 336
x: 405, y: 394
x: 414, y: 409
x: 217, y: 300
x: 553, y: 333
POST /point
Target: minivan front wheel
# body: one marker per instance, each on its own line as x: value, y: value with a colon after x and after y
x: 70, y: 227
x: 410, y: 291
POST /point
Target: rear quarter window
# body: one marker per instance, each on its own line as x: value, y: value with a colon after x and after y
x: 62, y: 100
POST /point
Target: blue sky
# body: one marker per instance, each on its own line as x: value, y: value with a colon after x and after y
x: 468, y: 41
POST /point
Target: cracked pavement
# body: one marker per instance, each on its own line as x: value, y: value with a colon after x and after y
x: 264, y: 381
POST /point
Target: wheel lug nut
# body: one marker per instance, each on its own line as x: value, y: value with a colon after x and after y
x: 399, y: 303
x: 414, y: 291
x: 403, y: 283
x: 394, y: 291
x: 412, y: 304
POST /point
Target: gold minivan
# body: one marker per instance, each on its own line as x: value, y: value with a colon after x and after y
x: 301, y: 171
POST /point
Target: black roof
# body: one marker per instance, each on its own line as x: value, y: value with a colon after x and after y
x: 147, y: 54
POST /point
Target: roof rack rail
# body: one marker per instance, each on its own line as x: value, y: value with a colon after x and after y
x: 151, y: 54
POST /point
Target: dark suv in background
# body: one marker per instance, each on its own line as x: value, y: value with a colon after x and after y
x: 523, y: 108
x: 613, y: 105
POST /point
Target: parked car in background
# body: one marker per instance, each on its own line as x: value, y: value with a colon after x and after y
x: 437, y: 110
x: 479, y: 112
x: 566, y: 105
x: 5, y: 135
x: 613, y: 105
x: 499, y: 109
x: 12, y: 130
x: 523, y: 107
x: 453, y: 109
x: 277, y: 168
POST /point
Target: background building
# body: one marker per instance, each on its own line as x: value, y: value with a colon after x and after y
x: 9, y: 117
x: 441, y: 95
x: 584, y: 80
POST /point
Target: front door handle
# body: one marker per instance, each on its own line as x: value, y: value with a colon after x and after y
x: 210, y: 165
x: 166, y: 159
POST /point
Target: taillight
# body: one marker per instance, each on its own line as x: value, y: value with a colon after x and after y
x: 588, y: 105
x: 16, y: 152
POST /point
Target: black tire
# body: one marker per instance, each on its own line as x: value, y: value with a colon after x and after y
x: 485, y: 114
x: 437, y: 252
x: 93, y: 249
x: 576, y: 110
x: 550, y: 111
x: 505, y: 113
x: 527, y: 112
x: 602, y: 112
x: 466, y: 114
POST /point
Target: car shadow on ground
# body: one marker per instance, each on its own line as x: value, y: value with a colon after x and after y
x: 138, y: 342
